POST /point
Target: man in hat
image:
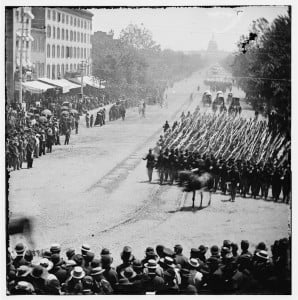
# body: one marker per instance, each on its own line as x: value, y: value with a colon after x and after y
x: 109, y: 273
x: 149, y: 254
x: 234, y: 178
x: 100, y: 286
x: 170, y: 285
x: 202, y: 252
x: 23, y: 288
x: 91, y: 120
x: 150, y: 164
x: 138, y: 268
x: 152, y: 282
x: 59, y: 269
x: 22, y: 273
x: 29, y: 153
x: 195, y: 276
x: 127, y: 259
x: 180, y: 259
x: 87, y: 283
x: 87, y: 120
x: 244, y: 248
x: 73, y: 284
x: 19, y: 260
x: 67, y: 136
x: 36, y: 278
x: 123, y: 287
x: 186, y: 287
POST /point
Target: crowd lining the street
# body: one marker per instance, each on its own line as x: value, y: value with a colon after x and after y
x: 227, y: 269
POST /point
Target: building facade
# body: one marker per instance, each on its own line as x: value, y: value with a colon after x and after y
x: 67, y: 40
x: 18, y: 39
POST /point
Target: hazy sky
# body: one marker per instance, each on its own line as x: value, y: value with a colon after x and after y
x: 187, y: 28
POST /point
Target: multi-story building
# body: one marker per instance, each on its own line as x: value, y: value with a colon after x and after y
x: 67, y: 40
x: 18, y: 47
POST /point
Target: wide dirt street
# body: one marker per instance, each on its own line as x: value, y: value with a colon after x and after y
x: 95, y: 190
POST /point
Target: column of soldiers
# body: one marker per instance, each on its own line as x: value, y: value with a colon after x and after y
x: 236, y: 177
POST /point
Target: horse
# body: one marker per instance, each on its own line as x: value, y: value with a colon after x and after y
x: 21, y: 225
x: 191, y: 182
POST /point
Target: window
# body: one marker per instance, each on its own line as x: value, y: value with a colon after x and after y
x: 78, y: 52
x: 54, y: 16
x: 66, y: 19
x: 53, y: 51
x: 78, y: 37
x: 78, y: 22
x: 74, y: 66
x: 58, y: 72
x: 85, y: 24
x: 66, y: 35
x: 59, y: 17
x: 70, y: 67
x: 41, y: 70
x: 48, y: 71
x: 48, y: 50
x: 67, y: 52
x: 74, y: 52
x: 81, y: 52
x: 74, y: 36
x: 63, y: 18
x: 62, y: 70
x: 82, y: 37
x: 82, y: 24
x: 62, y: 33
x: 71, y: 19
x: 71, y: 36
x: 49, y: 14
x: 90, y: 25
x: 48, y: 31
x: 78, y: 67
x: 75, y: 21
x: 54, y: 32
x: 58, y: 33
x: 66, y: 67
x: 58, y: 51
x: 84, y: 52
x: 62, y: 51
x: 53, y: 72
x: 17, y: 15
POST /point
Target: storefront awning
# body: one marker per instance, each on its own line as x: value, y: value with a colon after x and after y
x: 36, y: 87
x: 92, y: 81
x: 62, y: 83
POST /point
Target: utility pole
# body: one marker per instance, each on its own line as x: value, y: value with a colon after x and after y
x: 21, y: 59
x: 82, y: 81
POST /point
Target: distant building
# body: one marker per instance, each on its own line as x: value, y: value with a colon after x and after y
x: 65, y: 41
x: 18, y: 41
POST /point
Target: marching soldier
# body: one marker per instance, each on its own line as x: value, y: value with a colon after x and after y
x: 234, y: 179
x: 150, y: 164
x: 276, y: 183
x: 160, y: 167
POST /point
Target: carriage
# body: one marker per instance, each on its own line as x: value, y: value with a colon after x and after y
x: 207, y: 98
x: 235, y: 107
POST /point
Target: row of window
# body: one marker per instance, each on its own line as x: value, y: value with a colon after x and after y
x: 67, y: 52
x: 64, y: 34
x: 67, y: 19
x: 58, y: 71
x: 38, y: 44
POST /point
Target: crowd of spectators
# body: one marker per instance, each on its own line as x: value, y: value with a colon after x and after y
x: 228, y: 269
x: 32, y: 133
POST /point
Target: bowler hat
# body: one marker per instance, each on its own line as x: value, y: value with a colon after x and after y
x: 261, y: 246
x: 105, y: 251
x: 214, y: 250
x: 20, y: 249
x: 70, y: 252
x: 55, y: 248
x: 203, y: 249
x: 95, y: 263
